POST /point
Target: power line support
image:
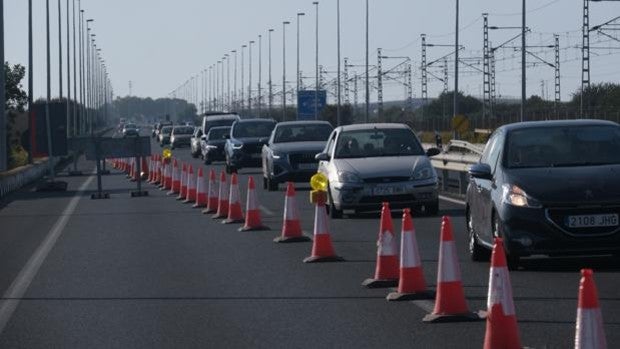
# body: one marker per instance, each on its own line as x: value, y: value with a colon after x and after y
x: 424, y: 75
x: 379, y: 84
x: 486, y: 75
x: 585, y: 60
x: 558, y: 95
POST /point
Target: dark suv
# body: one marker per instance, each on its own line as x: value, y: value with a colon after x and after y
x: 212, y: 145
x: 245, y: 143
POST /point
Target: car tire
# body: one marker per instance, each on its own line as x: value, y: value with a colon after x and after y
x: 512, y: 259
x: 333, y: 212
x: 477, y: 252
x: 272, y: 185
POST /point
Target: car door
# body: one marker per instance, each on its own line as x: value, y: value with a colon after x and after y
x: 485, y: 188
x: 324, y: 167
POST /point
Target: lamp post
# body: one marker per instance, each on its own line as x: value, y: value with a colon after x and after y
x: 270, y: 82
x: 250, y: 78
x: 455, y: 97
x: 338, y: 116
x: 299, y: 15
x: 75, y: 96
x: 30, y: 80
x: 316, y: 63
x: 68, y: 111
x: 367, y: 72
x: 523, y: 72
x: 284, y: 69
x: 260, y: 72
x: 49, y: 90
x: 59, y: 51
x: 242, y: 77
x: 228, y: 81
x: 235, y: 82
x: 3, y: 135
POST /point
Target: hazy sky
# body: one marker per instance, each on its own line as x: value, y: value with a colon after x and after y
x: 159, y: 44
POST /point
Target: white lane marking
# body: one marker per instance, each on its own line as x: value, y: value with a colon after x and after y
x: 266, y: 211
x: 454, y: 201
x: 426, y: 305
x: 18, y: 288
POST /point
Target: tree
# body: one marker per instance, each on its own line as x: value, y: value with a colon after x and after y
x: 444, y: 104
x: 16, y: 97
x: 604, y: 95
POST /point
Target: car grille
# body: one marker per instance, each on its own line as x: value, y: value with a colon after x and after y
x: 386, y: 179
x: 558, y: 216
x: 302, y: 158
x: 387, y: 198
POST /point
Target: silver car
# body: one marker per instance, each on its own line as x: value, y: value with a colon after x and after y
x: 368, y: 164
x: 181, y: 136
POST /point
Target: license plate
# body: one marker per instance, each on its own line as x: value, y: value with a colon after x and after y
x: 592, y: 221
x: 391, y: 190
x: 310, y: 166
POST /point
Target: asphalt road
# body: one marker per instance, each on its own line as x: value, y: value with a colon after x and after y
x: 152, y: 272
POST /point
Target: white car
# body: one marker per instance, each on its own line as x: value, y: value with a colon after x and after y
x: 367, y: 164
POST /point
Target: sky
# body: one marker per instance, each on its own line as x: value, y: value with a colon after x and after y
x: 158, y: 45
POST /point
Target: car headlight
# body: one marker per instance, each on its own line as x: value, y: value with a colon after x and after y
x: 237, y: 145
x: 423, y: 173
x: 348, y: 177
x: 276, y: 156
x: 515, y: 196
x: 209, y: 146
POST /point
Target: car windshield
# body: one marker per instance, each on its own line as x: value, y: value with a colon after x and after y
x: 166, y: 130
x: 302, y: 133
x: 252, y: 129
x: 218, y: 133
x: 130, y: 126
x: 377, y: 143
x: 563, y: 146
x: 183, y: 130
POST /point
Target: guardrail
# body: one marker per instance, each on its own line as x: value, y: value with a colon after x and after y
x: 452, y: 165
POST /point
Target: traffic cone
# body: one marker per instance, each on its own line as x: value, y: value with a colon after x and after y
x: 155, y: 168
x: 322, y: 248
x: 168, y: 177
x: 589, y: 331
x: 183, y: 191
x: 411, y: 283
x: 291, y: 227
x: 176, y: 181
x: 132, y: 169
x: 252, y: 210
x: 191, y: 186
x: 150, y: 178
x: 502, y: 330
x: 386, y: 271
x: 222, y: 200
x: 201, y: 192
x: 144, y: 168
x: 212, y: 196
x: 158, y: 174
x: 164, y: 175
x: 450, y: 303
x: 235, y: 215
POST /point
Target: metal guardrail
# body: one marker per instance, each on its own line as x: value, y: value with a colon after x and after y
x: 452, y: 165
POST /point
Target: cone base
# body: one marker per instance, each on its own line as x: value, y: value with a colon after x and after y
x: 233, y: 221
x: 180, y: 198
x: 199, y: 205
x: 218, y: 216
x: 208, y: 211
x: 256, y: 228
x: 465, y: 317
x: 398, y: 297
x: 378, y: 283
x: 189, y: 201
x: 171, y: 193
x: 291, y: 239
x: 323, y: 259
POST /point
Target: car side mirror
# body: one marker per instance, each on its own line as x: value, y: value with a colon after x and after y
x: 480, y: 170
x: 322, y: 157
x: 432, y: 152
x: 226, y: 136
x: 203, y: 137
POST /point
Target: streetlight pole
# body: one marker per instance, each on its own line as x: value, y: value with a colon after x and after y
x: 242, y: 77
x: 30, y: 81
x: 455, y: 97
x: 235, y: 83
x: 270, y: 82
x: 367, y: 73
x: 82, y: 71
x: 260, y: 71
x: 523, y: 73
x: 284, y: 69
x: 299, y: 14
x: 316, y: 63
x: 228, y: 82
x: 49, y: 91
x: 250, y: 78
x: 75, y: 96
x: 59, y: 50
x: 68, y: 75
x: 338, y: 116
x: 3, y: 135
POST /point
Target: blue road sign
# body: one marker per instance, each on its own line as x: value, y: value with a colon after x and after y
x: 306, y: 105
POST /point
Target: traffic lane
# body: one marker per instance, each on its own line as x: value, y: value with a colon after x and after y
x: 543, y: 287
x: 159, y: 278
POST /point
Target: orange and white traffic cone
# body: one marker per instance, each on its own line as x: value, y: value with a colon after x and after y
x: 502, y: 330
x: 191, y: 186
x: 151, y: 172
x: 176, y: 181
x: 183, y: 191
x: 386, y: 271
x: 322, y: 247
x: 154, y: 168
x: 235, y: 215
x: 132, y: 169
x: 411, y: 282
x: 589, y: 332
x: 201, y: 190
x: 168, y: 176
x: 450, y: 303
x: 252, y: 210
x: 212, y: 195
x: 159, y: 173
x: 166, y: 167
x: 291, y: 226
x: 144, y: 168
x: 222, y: 199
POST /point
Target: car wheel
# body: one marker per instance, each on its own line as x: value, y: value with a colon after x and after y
x: 477, y: 252
x: 512, y: 259
x: 334, y: 213
x: 432, y: 209
x: 272, y: 185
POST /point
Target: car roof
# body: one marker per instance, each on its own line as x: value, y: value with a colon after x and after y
x: 556, y: 123
x: 218, y: 128
x: 303, y: 122
x: 221, y: 116
x: 244, y: 121
x: 370, y: 126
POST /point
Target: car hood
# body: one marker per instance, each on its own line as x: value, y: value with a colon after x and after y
x: 218, y: 142
x: 253, y: 140
x: 389, y: 166
x: 568, y: 185
x: 298, y: 147
x: 183, y: 136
